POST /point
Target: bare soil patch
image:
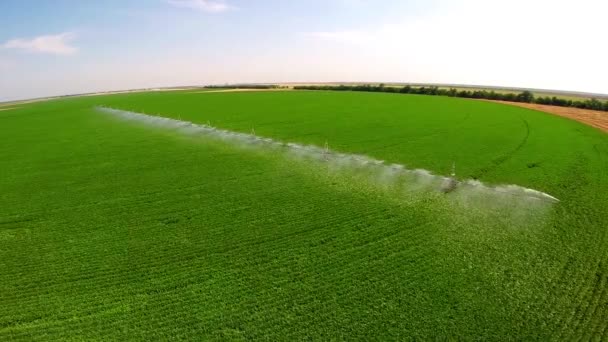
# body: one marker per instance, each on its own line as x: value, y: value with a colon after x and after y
x: 8, y: 108
x: 592, y: 118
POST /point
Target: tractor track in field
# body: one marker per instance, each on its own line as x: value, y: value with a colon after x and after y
x: 497, y: 162
x: 441, y: 132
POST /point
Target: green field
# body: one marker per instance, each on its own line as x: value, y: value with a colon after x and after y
x: 112, y: 230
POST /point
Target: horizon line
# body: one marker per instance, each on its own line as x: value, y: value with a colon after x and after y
x: 588, y: 95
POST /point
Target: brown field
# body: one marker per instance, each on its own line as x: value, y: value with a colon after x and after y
x: 593, y: 118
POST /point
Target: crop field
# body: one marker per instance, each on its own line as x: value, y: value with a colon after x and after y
x: 113, y: 228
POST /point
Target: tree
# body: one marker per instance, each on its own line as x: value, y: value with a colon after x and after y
x: 525, y: 96
x: 594, y: 104
x: 406, y: 90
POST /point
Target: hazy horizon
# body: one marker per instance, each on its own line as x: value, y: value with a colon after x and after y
x: 61, y: 48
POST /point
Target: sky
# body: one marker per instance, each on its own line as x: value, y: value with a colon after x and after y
x: 60, y: 47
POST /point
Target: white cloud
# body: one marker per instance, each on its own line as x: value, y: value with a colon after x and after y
x: 210, y: 6
x: 58, y: 44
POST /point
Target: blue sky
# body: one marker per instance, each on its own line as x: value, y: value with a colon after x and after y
x: 69, y: 46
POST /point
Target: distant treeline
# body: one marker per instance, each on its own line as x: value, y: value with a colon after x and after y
x: 244, y: 86
x: 525, y: 96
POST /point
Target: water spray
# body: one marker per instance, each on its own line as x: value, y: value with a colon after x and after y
x: 395, y: 174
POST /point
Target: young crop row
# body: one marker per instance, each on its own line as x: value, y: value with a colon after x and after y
x: 118, y: 231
